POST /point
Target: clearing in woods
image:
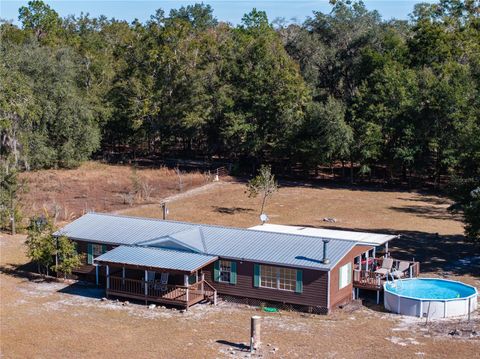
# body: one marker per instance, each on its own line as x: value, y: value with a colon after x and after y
x: 99, y: 187
x: 49, y: 319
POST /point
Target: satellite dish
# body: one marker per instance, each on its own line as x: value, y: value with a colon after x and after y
x: 263, y: 218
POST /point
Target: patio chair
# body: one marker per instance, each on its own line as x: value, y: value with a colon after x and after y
x: 164, y: 281
x: 400, y: 271
x: 387, y: 264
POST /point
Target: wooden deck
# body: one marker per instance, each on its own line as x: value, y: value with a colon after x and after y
x: 154, y: 291
x: 369, y: 280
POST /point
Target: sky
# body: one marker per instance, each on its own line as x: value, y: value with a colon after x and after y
x: 224, y: 10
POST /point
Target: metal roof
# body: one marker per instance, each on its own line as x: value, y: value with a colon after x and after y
x: 156, y: 257
x: 374, y: 239
x: 114, y: 229
x: 227, y: 242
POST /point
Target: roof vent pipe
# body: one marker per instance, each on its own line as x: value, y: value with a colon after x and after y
x: 325, y: 259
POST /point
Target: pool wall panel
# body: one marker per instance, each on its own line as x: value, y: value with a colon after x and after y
x: 432, y: 308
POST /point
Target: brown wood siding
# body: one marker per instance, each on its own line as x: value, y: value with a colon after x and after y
x: 87, y: 271
x: 344, y: 295
x: 314, y: 287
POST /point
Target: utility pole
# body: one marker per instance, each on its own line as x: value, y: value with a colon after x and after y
x: 164, y: 210
x: 255, y: 329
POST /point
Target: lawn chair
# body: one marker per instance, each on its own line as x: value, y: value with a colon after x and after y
x: 400, y: 271
x: 387, y: 264
x: 164, y: 281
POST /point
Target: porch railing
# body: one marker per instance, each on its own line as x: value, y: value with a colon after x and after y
x: 156, y: 291
x: 368, y: 279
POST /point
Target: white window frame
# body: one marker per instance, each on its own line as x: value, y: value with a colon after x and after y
x: 345, y: 275
x: 220, y: 271
x: 278, y: 277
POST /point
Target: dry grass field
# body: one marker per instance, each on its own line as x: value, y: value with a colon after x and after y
x: 41, y: 319
x: 100, y: 187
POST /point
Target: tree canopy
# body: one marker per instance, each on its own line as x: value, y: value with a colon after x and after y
x: 395, y: 99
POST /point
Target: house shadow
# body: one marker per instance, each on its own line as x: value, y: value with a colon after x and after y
x: 28, y: 271
x: 83, y: 289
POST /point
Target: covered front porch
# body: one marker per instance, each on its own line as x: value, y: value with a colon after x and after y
x: 157, y: 275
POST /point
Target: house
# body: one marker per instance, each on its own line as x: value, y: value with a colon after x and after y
x: 181, y: 263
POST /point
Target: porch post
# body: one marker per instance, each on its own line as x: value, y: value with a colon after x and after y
x: 366, y: 261
x: 202, y: 278
x: 145, y: 287
x: 374, y: 252
x: 123, y: 275
x: 96, y: 275
x: 386, y: 249
x: 108, y: 276
x: 185, y: 283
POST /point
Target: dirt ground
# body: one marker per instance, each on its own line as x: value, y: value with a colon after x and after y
x: 95, y: 186
x: 48, y: 319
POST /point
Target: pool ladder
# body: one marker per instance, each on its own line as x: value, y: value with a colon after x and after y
x: 394, y: 282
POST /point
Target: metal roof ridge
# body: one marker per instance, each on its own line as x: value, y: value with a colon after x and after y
x: 212, y: 226
x: 164, y: 249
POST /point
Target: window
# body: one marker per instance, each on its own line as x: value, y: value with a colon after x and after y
x: 225, y: 271
x: 97, y: 250
x: 94, y: 251
x: 278, y: 278
x: 345, y: 275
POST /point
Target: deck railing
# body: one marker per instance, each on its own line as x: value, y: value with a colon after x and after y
x: 368, y: 279
x: 163, y: 293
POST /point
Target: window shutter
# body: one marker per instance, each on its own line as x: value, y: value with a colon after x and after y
x: 216, y: 271
x: 299, y: 283
x: 104, y: 248
x: 256, y: 275
x: 349, y: 280
x: 233, y: 272
x: 90, y: 254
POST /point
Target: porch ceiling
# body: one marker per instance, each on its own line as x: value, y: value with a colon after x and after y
x: 159, y: 258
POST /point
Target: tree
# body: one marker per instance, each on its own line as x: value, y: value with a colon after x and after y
x: 51, y: 117
x: 40, y: 244
x: 48, y: 251
x: 325, y: 136
x: 39, y: 18
x: 264, y: 184
x: 466, y: 194
x: 200, y: 16
x: 11, y: 187
x: 68, y: 258
x: 471, y: 213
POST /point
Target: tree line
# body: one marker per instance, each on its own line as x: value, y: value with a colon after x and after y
x: 396, y: 99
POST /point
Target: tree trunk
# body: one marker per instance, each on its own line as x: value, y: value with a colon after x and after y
x: 351, y: 172
x: 14, y: 230
x: 263, y: 202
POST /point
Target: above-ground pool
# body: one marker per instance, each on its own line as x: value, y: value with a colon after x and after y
x: 429, y: 297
